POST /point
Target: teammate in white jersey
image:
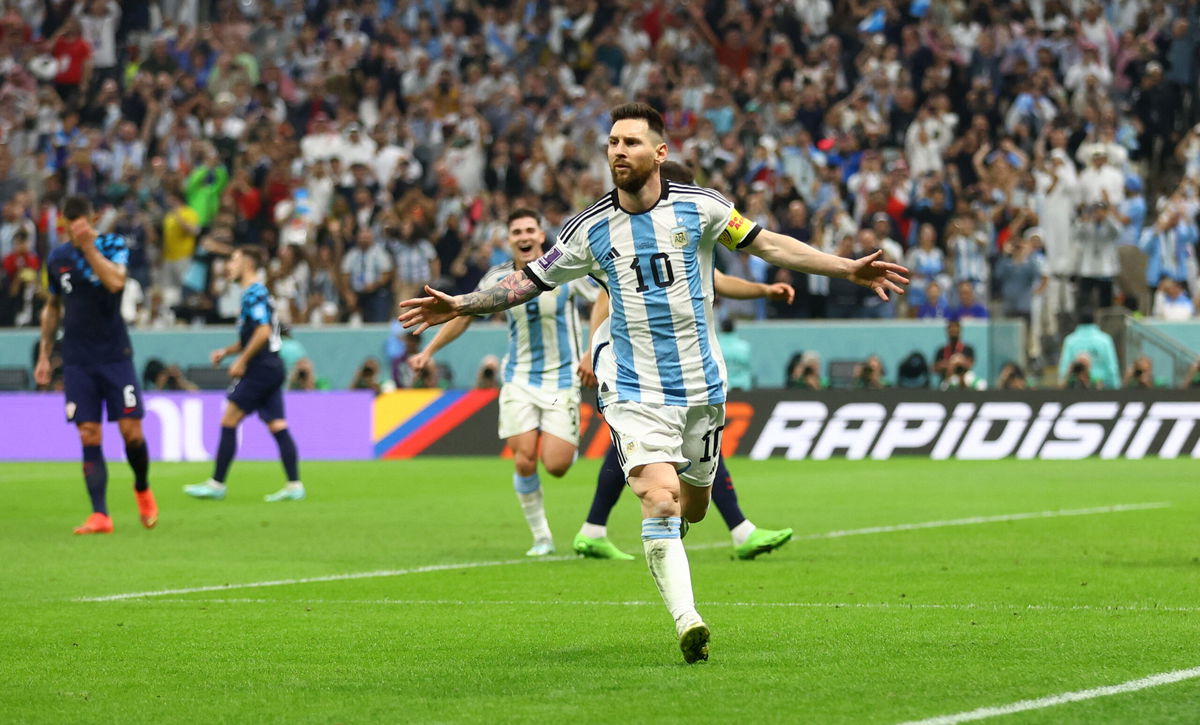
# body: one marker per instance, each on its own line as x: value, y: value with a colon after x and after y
x: 662, y: 378
x: 539, y: 400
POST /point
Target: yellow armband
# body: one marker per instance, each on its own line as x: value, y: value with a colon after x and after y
x: 738, y: 232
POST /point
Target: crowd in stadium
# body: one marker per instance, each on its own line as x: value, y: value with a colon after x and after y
x: 1027, y: 160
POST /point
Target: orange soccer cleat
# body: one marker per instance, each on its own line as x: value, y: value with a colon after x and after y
x: 96, y: 524
x: 147, y: 508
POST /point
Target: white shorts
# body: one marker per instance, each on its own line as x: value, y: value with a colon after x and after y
x: 523, y: 409
x: 688, y: 438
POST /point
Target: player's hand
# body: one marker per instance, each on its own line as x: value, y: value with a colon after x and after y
x: 82, y: 235
x: 781, y: 292
x: 238, y: 368
x: 587, y: 376
x: 419, y: 362
x: 880, y: 276
x: 41, y: 371
x: 216, y: 356
x: 425, y: 312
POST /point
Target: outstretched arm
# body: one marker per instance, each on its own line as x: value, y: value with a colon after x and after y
x: 736, y: 288
x: 515, y: 289
x: 448, y: 334
x: 868, y: 271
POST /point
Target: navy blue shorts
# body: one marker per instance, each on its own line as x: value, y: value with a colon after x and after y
x: 114, y: 384
x: 260, y: 389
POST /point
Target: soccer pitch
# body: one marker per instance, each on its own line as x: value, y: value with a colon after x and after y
x: 398, y: 592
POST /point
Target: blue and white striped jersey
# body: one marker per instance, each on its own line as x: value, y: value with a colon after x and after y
x: 658, y: 268
x: 543, y: 333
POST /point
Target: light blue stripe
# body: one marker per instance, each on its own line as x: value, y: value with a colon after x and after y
x: 537, y: 348
x: 565, y: 368
x: 665, y: 527
x: 511, y: 365
x: 627, y: 379
x: 658, y: 313
x: 690, y: 215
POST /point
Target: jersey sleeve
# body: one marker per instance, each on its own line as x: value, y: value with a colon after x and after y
x: 570, y: 258
x: 114, y: 248
x: 732, y: 230
x: 256, y: 307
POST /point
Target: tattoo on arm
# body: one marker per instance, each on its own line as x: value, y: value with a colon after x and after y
x: 513, y: 290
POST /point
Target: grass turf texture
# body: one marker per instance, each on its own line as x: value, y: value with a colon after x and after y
x: 506, y: 644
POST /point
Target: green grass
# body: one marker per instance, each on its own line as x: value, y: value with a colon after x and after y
x: 549, y: 642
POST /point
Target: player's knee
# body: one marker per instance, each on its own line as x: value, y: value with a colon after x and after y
x: 555, y: 467
x: 660, y: 502
x: 89, y: 434
x: 525, y: 463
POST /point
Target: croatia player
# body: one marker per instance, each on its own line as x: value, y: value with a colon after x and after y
x: 662, y: 382
x: 539, y: 401
x: 748, y: 540
x: 258, y: 375
x: 86, y: 277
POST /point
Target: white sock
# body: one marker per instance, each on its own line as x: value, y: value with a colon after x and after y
x: 295, y: 486
x: 535, y: 514
x: 594, y: 531
x: 741, y: 532
x: 669, y: 564
x: 215, y: 483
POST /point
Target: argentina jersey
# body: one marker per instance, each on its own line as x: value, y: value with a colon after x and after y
x: 543, y: 334
x: 258, y: 309
x: 658, y: 268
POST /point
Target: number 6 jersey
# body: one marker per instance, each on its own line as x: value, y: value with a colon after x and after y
x: 658, y: 268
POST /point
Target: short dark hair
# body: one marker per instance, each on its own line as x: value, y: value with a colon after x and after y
x: 76, y: 206
x: 524, y: 212
x: 677, y: 172
x: 640, y: 111
x: 256, y: 254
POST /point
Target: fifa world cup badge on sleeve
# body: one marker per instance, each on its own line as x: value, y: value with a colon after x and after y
x: 735, y: 230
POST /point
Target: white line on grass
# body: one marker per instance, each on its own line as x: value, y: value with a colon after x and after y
x: 646, y: 603
x: 972, y: 520
x: 1163, y: 678
x: 509, y: 562
x: 315, y: 579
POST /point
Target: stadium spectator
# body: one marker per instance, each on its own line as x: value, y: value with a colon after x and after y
x: 367, y: 377
x: 367, y: 271
x: 1097, y: 233
x: 1171, y: 301
x: 968, y: 305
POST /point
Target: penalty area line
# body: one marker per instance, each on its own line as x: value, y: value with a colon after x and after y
x: 1144, y: 683
x: 1119, y: 508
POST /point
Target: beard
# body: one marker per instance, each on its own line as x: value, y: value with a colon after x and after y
x: 632, y: 179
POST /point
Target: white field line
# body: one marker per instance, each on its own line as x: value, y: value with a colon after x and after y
x: 1163, y: 678
x: 647, y: 603
x: 510, y: 562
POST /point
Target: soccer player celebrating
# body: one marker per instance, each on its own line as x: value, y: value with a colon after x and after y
x: 660, y: 370
x: 259, y: 375
x: 86, y: 277
x: 539, y: 401
x: 748, y: 540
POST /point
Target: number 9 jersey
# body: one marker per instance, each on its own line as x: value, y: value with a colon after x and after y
x: 658, y: 269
